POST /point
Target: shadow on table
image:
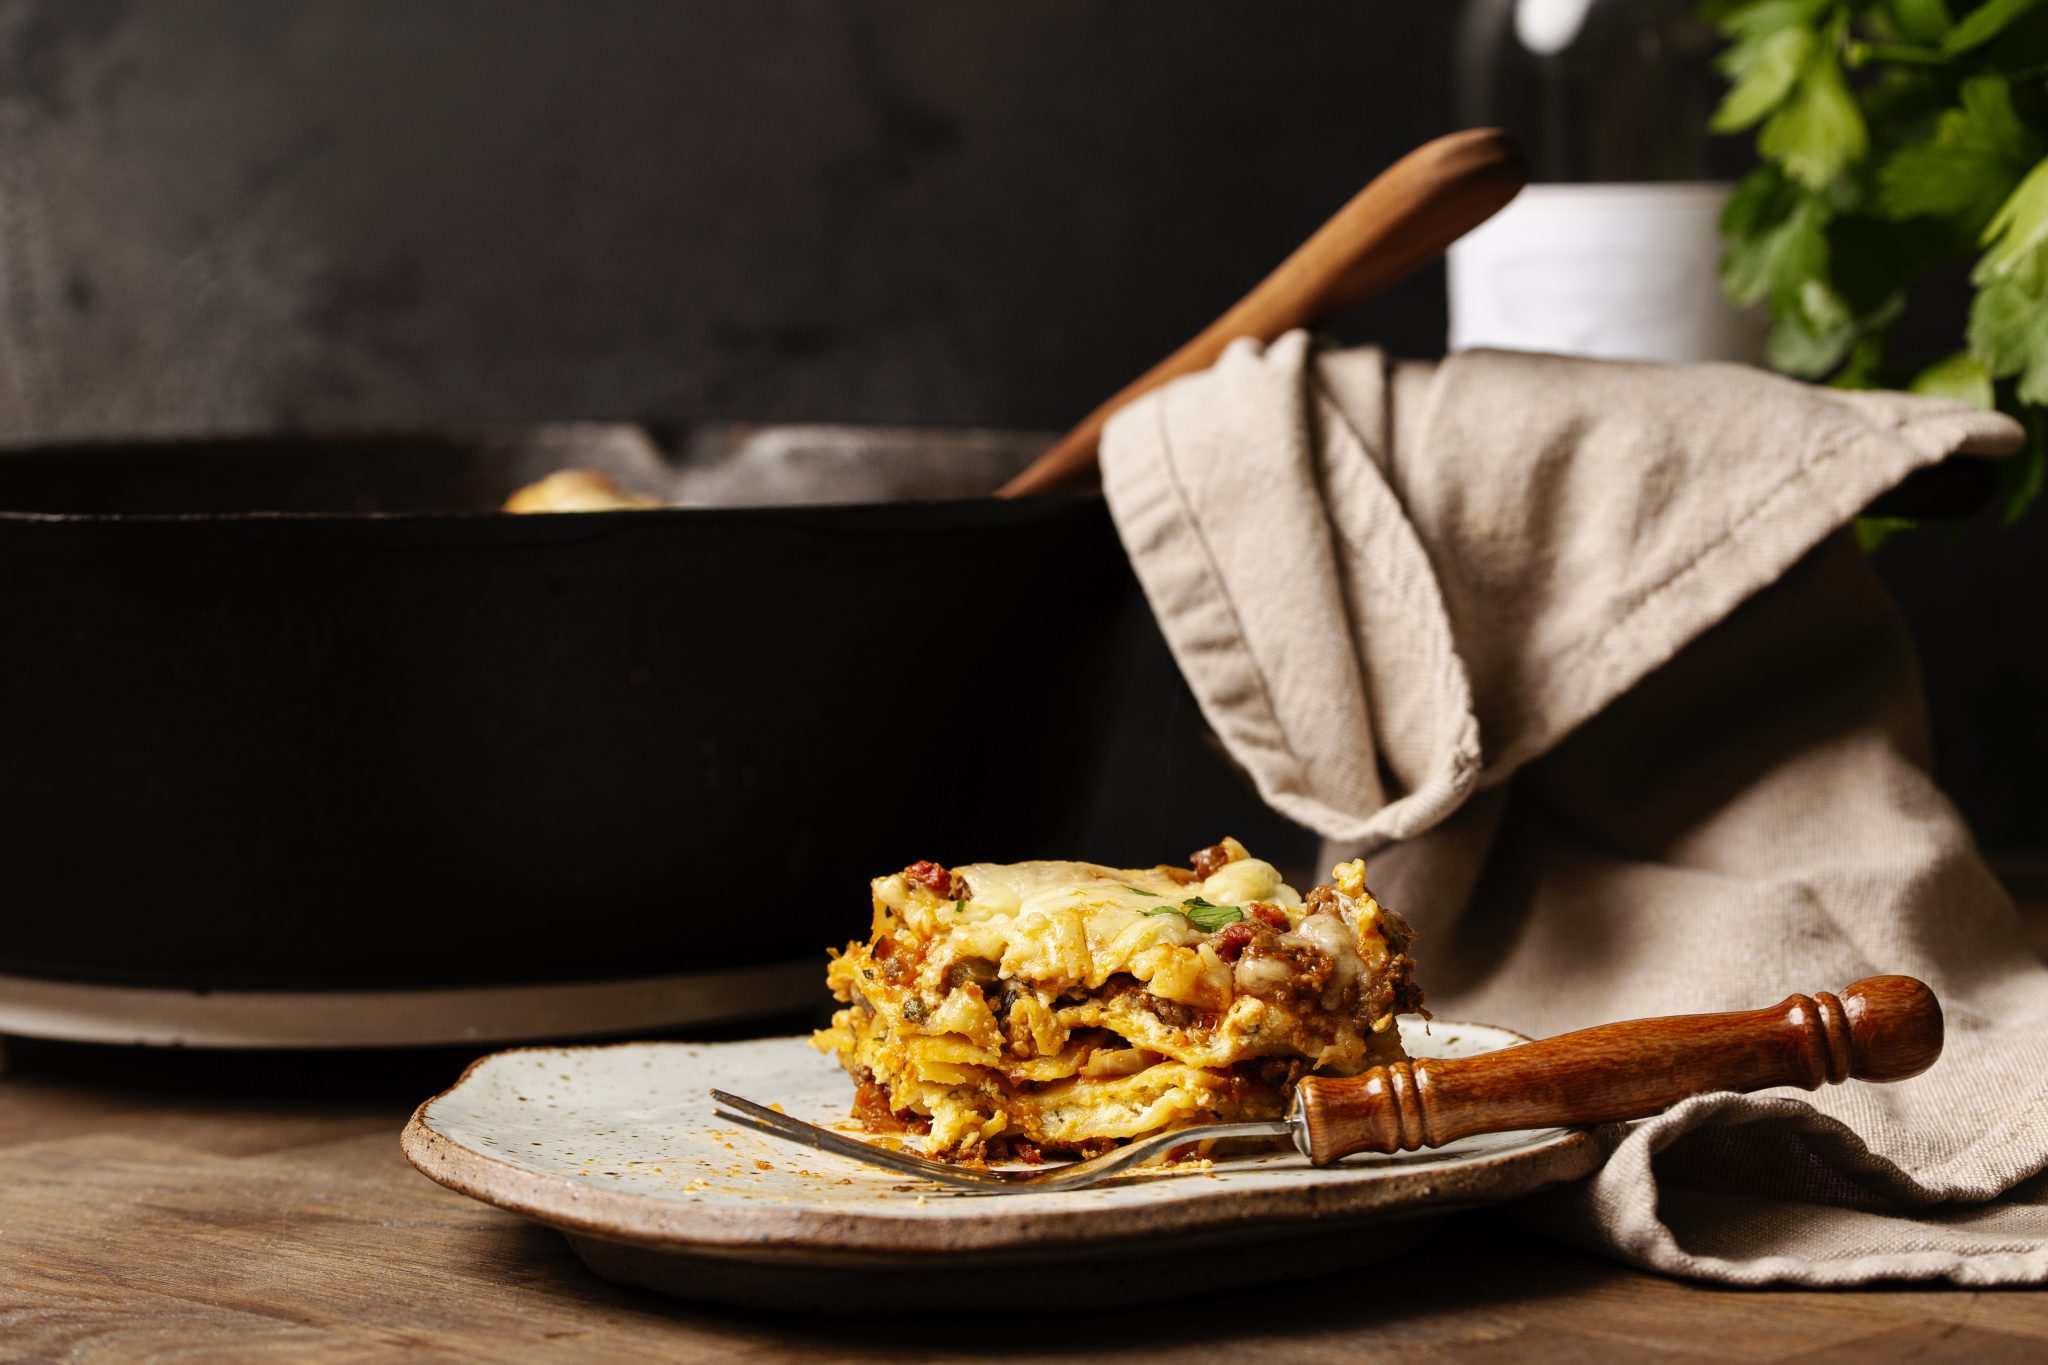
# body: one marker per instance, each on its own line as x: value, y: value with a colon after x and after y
x: 1463, y: 1263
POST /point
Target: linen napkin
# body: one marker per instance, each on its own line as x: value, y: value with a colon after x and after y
x: 1579, y: 654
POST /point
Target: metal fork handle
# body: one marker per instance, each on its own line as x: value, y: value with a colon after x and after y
x: 1071, y: 1175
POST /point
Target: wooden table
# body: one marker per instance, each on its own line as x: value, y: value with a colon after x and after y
x: 227, y: 1207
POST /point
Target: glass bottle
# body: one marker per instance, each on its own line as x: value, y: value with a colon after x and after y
x: 1612, y: 249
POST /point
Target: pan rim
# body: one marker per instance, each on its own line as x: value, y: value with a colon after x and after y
x: 168, y: 445
x: 989, y: 506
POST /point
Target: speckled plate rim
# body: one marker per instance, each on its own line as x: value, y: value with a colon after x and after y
x: 765, y: 1231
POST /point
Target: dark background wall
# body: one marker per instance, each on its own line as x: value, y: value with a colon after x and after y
x: 232, y: 215
x: 242, y: 213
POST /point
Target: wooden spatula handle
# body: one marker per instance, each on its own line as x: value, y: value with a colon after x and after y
x: 1406, y: 218
x: 1884, y: 1029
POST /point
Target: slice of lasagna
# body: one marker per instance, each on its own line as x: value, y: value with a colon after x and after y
x: 1051, y: 1007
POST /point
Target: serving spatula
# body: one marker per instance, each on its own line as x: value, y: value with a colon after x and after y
x: 1405, y: 218
x: 1886, y: 1028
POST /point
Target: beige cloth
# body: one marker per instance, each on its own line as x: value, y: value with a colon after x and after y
x: 1579, y: 652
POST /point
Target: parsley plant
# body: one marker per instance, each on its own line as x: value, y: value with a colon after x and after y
x: 1895, y: 137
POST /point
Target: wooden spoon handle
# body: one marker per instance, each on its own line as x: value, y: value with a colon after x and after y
x: 1402, y: 221
x: 1883, y: 1029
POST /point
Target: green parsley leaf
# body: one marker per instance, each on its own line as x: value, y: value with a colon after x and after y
x: 1937, y: 152
x: 1814, y: 334
x: 1139, y: 890
x: 2009, y: 333
x: 1863, y: 367
x: 1210, y: 918
x: 1971, y: 165
x: 1922, y: 21
x: 1873, y: 532
x: 1825, y: 329
x: 2016, y: 232
x: 1961, y: 376
x: 1752, y: 19
x: 1204, y: 916
x: 1771, y: 41
x: 1777, y: 239
x: 1984, y: 23
x: 1763, y: 70
x: 2020, y: 476
x: 1818, y: 132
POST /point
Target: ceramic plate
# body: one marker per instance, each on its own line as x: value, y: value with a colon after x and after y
x: 619, y: 1147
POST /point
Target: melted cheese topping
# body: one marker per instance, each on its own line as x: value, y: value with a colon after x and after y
x: 1063, y: 926
x: 1071, y: 1004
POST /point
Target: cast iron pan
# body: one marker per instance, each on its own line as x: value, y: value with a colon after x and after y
x: 379, y: 734
x: 426, y: 744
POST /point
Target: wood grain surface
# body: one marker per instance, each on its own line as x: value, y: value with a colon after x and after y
x: 236, y: 1207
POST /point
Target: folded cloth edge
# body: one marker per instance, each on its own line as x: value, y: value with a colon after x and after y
x: 1200, y: 615
x: 1606, y: 1213
x: 1784, y: 525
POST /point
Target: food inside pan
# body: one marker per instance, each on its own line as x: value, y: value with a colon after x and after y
x: 578, y: 490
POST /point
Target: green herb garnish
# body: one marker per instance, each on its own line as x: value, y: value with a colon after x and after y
x: 1204, y: 916
x: 1139, y: 891
x: 1898, y: 139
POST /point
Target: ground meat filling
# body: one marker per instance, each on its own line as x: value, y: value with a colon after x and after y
x: 1280, y: 1073
x: 1271, y: 968
x: 1395, y: 992
x: 1397, y: 932
x: 1175, y: 1014
x: 1012, y: 1147
x: 1323, y: 901
x: 871, y: 1108
x: 1231, y: 940
x: 1207, y: 862
x: 937, y: 880
x: 1272, y: 916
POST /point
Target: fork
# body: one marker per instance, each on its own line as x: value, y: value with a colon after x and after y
x: 1886, y: 1028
